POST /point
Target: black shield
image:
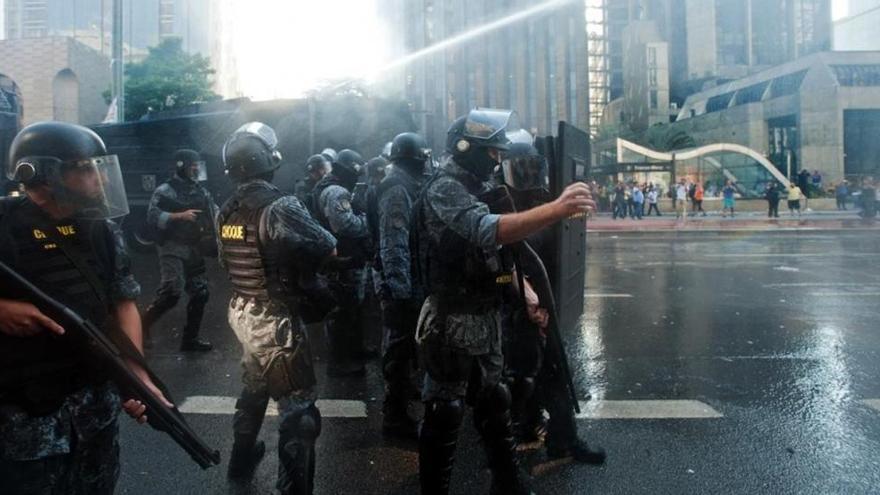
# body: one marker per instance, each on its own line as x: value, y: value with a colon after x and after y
x: 568, y: 156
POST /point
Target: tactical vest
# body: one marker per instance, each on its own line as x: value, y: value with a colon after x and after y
x: 38, y: 372
x: 255, y: 269
x: 452, y: 267
x: 189, y: 197
x: 375, y: 197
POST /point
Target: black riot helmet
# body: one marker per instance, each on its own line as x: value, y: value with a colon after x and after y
x: 470, y: 138
x: 329, y: 154
x: 251, y: 151
x: 317, y: 163
x: 73, y: 162
x: 348, y: 167
x: 410, y: 152
x: 376, y: 170
x: 188, y: 164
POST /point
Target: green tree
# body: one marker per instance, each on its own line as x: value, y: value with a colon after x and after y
x: 167, y: 78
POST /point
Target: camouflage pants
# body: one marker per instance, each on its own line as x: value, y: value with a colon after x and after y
x: 91, y: 468
x: 461, y: 352
x: 276, y: 356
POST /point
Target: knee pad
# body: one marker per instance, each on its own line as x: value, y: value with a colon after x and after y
x: 495, y: 398
x: 445, y: 414
x: 305, y: 426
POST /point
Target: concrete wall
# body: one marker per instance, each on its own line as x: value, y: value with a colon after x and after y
x: 34, y: 64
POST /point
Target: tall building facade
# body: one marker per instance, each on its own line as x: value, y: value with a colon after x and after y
x: 709, y: 42
x: 536, y: 65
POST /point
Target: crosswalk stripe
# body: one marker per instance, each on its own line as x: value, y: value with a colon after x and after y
x: 872, y: 403
x: 213, y: 404
x: 845, y: 294
x: 647, y: 409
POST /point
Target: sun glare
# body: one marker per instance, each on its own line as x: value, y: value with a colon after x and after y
x: 283, y: 48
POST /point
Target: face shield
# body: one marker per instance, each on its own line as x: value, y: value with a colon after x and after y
x: 489, y: 127
x: 520, y: 136
x: 92, y: 188
x: 194, y: 171
x: 526, y: 173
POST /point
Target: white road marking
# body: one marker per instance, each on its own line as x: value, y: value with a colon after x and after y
x: 819, y: 284
x: 872, y: 403
x: 330, y: 408
x: 845, y: 294
x: 603, y: 296
x: 647, y: 409
x: 788, y: 255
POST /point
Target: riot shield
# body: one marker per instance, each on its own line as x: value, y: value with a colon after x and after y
x: 568, y: 156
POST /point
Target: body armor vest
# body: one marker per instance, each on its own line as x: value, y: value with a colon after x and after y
x: 39, y: 371
x: 254, y: 269
x: 190, y: 196
x: 452, y: 267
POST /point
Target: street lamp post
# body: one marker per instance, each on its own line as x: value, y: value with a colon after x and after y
x: 117, y: 64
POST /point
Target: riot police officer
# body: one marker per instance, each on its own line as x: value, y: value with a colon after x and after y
x: 464, y: 277
x: 532, y: 369
x: 317, y: 166
x: 58, y: 409
x: 390, y: 218
x: 333, y: 209
x: 268, y: 245
x: 182, y: 211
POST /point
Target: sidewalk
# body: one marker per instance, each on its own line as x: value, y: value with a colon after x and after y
x: 748, y: 221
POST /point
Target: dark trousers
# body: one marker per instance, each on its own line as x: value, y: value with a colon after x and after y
x: 398, y: 352
x: 841, y: 202
x: 344, y: 325
x: 91, y: 468
x: 773, y: 211
x: 653, y: 207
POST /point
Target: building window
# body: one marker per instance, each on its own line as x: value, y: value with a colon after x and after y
x: 652, y: 56
x: 652, y: 77
x: 857, y: 75
x: 788, y: 84
x: 654, y: 102
x: 751, y: 94
x: 717, y: 103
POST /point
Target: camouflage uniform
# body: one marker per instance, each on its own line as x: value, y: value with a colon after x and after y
x: 344, y: 330
x: 459, y: 329
x: 276, y: 356
x: 401, y: 298
x: 181, y: 263
x: 72, y: 448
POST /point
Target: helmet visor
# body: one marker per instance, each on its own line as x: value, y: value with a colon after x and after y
x: 489, y: 126
x: 92, y: 188
x: 525, y: 173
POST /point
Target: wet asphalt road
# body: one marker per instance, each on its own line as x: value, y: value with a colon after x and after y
x: 776, y: 334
